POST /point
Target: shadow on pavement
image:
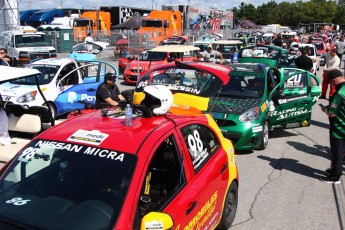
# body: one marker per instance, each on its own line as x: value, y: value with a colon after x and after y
x: 318, y: 150
x: 277, y: 133
x: 293, y: 166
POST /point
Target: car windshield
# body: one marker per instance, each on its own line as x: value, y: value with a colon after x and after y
x: 244, y: 85
x: 152, y: 56
x: 259, y: 52
x: 48, y: 73
x: 33, y: 40
x: 58, y: 185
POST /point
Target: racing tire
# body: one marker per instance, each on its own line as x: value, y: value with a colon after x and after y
x: 230, y: 207
x: 264, y: 137
x: 52, y: 109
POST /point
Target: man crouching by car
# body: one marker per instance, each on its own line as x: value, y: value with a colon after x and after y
x: 108, y: 92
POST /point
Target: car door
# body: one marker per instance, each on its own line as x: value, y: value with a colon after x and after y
x: 293, y: 99
x: 73, y: 92
x: 210, y: 167
x: 166, y: 186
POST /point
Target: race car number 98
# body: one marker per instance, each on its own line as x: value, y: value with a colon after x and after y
x: 27, y: 154
x: 195, y: 143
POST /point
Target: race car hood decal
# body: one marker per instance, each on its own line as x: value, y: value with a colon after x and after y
x: 14, y: 90
x: 232, y: 105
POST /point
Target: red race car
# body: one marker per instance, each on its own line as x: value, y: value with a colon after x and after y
x: 167, y: 171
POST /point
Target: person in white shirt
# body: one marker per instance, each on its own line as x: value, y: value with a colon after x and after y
x: 332, y: 62
x: 88, y: 38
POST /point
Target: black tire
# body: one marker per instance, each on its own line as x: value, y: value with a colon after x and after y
x: 230, y: 207
x: 52, y: 109
x: 264, y: 137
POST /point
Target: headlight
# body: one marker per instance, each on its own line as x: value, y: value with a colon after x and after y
x: 27, y: 97
x: 250, y: 115
x: 24, y: 55
x: 52, y: 53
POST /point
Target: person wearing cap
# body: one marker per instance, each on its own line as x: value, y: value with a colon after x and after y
x: 303, y: 61
x: 108, y: 92
x: 336, y: 113
x: 332, y: 63
x: 209, y: 55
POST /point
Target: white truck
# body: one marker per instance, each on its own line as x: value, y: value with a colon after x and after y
x: 26, y: 44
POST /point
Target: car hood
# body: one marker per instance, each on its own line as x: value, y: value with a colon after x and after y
x: 14, y: 90
x: 229, y: 105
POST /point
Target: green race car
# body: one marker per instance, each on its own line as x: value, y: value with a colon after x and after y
x: 259, y: 98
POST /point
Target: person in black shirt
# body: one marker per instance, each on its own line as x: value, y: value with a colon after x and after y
x: 303, y: 61
x: 108, y: 92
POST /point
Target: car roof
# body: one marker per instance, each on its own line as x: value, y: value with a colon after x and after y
x: 16, y: 73
x: 120, y: 137
x: 174, y: 48
x: 228, y: 42
x: 54, y: 61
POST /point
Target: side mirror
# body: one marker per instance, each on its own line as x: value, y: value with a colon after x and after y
x: 156, y: 220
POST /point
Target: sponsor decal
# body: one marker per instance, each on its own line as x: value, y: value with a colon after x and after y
x: 154, y: 225
x: 263, y: 106
x: 286, y: 100
x: 206, y: 217
x: 256, y: 128
x: 292, y: 125
x: 183, y: 88
x: 288, y: 113
x: 305, y: 123
x: 94, y: 137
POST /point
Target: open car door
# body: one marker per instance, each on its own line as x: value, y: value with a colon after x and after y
x: 293, y: 99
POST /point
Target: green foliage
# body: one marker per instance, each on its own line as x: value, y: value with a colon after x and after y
x: 292, y: 13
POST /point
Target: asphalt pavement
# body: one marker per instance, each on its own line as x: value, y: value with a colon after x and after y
x: 279, y: 186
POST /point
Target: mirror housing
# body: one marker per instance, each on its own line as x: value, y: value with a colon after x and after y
x: 156, y: 221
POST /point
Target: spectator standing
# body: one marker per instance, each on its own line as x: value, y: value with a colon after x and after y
x: 332, y: 63
x: 210, y: 55
x: 88, y: 38
x: 108, y: 92
x: 4, y: 58
x: 4, y: 136
x: 303, y: 61
x: 340, y: 45
x: 336, y: 113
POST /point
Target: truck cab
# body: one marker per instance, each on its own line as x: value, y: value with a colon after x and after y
x: 157, y: 26
x: 26, y: 44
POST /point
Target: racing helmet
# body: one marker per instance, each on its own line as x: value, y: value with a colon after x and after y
x: 158, y: 98
x: 294, y: 46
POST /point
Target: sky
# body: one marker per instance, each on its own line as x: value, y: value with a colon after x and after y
x: 46, y: 4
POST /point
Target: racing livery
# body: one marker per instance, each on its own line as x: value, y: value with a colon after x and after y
x: 246, y: 99
x: 97, y: 173
x: 64, y: 82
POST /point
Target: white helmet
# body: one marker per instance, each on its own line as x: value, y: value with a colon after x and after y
x: 294, y: 46
x: 158, y: 98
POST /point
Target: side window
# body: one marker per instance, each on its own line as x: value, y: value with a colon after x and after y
x: 163, y: 178
x: 297, y: 80
x: 202, y: 143
x: 70, y: 79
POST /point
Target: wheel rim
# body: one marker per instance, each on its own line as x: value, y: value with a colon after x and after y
x: 231, y: 205
x: 265, y: 134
